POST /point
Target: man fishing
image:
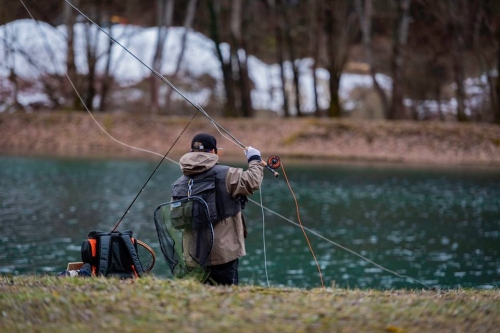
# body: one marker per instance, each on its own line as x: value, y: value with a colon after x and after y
x: 232, y: 185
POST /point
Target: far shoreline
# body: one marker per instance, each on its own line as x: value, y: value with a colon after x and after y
x: 236, y: 160
x: 298, y: 141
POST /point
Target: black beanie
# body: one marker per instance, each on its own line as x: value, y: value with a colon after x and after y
x: 204, y: 141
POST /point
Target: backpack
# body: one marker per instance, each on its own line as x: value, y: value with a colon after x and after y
x: 112, y: 254
x: 209, y: 186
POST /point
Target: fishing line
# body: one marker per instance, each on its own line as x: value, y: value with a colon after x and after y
x: 47, y: 45
x: 161, y: 77
x: 263, y: 217
x: 342, y: 246
x: 217, y: 126
x: 233, y: 139
x: 263, y: 234
x: 302, y: 227
x: 49, y: 48
x: 151, y: 175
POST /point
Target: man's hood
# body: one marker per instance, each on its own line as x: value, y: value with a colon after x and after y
x: 197, y: 162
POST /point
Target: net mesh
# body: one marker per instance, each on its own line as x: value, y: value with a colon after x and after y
x: 147, y: 256
x: 186, y: 236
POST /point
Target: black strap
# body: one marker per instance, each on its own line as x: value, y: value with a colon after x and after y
x: 127, y: 241
x: 103, y: 253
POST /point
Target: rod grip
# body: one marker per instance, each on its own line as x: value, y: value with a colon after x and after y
x: 275, y: 174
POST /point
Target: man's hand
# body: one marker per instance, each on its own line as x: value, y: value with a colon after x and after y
x: 252, y: 154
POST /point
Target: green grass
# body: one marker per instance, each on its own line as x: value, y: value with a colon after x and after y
x: 51, y: 304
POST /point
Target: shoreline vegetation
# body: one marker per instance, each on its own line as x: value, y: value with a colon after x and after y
x: 406, y: 143
x: 52, y: 304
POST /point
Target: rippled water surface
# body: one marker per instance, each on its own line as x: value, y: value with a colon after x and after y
x: 378, y: 227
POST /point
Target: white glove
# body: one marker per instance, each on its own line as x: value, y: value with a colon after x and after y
x: 250, y: 152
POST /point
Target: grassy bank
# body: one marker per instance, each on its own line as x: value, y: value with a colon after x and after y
x: 337, y: 140
x: 50, y: 304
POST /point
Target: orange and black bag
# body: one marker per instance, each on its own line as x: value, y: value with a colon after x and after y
x: 112, y: 254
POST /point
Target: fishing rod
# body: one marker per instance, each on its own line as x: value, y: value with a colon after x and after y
x: 47, y: 45
x: 272, y: 163
x: 162, y: 78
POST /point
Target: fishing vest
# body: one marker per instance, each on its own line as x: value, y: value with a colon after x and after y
x: 112, y: 254
x: 210, y: 186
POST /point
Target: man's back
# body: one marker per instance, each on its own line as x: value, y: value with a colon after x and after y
x: 234, y: 184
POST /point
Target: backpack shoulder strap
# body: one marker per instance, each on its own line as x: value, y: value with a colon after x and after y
x: 132, y: 252
x: 103, y: 244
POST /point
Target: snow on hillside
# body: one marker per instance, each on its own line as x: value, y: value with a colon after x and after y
x: 32, y: 50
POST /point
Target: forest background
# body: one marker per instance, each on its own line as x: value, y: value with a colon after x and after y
x: 441, y: 57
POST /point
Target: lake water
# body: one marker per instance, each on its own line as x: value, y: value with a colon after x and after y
x: 417, y: 227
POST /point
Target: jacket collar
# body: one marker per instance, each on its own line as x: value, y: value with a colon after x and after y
x: 196, y: 162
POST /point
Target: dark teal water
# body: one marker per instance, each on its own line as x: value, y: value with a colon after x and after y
x: 434, y: 227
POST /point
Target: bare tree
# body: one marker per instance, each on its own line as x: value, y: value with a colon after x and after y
x: 277, y: 17
x: 488, y: 16
x: 226, y: 64
x: 293, y: 62
x: 397, y: 110
x: 365, y: 14
x: 91, y: 35
x: 453, y: 15
x: 106, y: 75
x: 340, y: 31
x: 497, y: 81
x: 70, y: 18
x: 165, y: 11
x: 315, y: 23
x: 51, y: 83
x: 188, y: 23
x: 239, y: 53
x: 91, y: 38
x: 10, y: 64
x: 457, y: 10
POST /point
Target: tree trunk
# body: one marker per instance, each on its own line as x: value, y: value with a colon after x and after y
x: 365, y: 18
x: 13, y: 78
x: 240, y: 54
x: 226, y: 67
x: 458, y: 47
x: 397, y: 110
x: 341, y: 31
x: 70, y: 18
x: 291, y: 53
x: 107, y: 79
x: 276, y: 10
x: 458, y: 71
x: 165, y: 13
x: 315, y: 23
x: 497, y: 81
x: 244, y: 83
x: 188, y: 23
x: 334, y: 110
x: 91, y: 41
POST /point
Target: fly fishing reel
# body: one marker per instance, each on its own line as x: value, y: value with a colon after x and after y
x: 274, y: 162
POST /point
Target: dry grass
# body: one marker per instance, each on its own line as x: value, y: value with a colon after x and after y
x: 50, y: 304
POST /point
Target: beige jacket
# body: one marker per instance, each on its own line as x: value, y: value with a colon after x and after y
x: 229, y: 240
